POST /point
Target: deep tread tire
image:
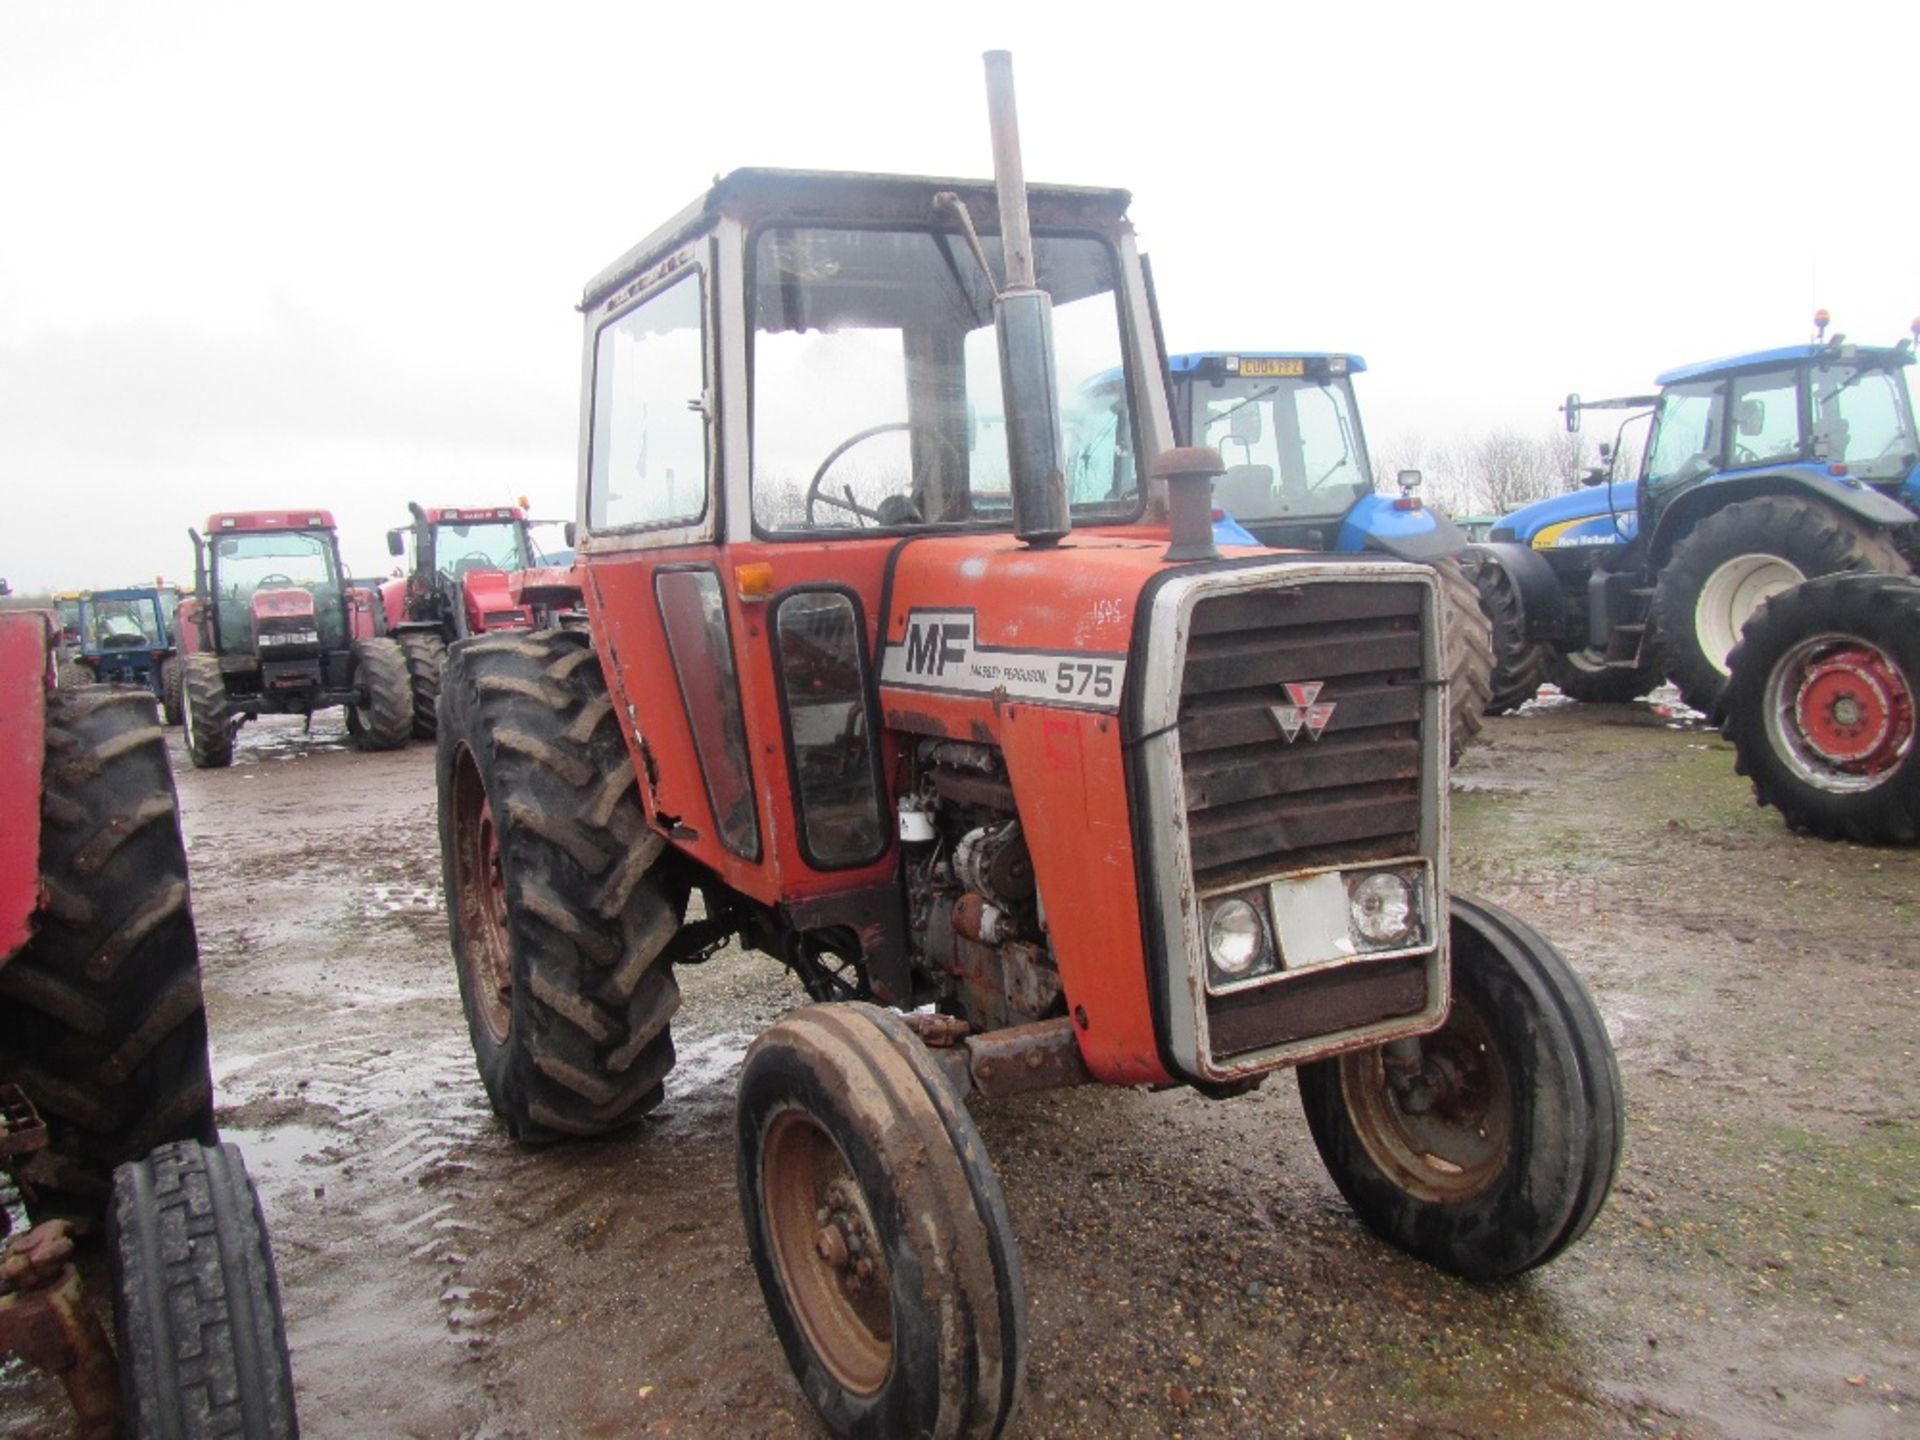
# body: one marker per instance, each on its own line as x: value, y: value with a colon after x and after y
x: 426, y: 664
x: 206, y: 713
x: 588, y: 903
x: 203, y: 1348
x: 1519, y: 664
x: 1564, y: 1123
x: 857, y: 1076
x: 171, y: 681
x: 1883, y: 611
x: 1469, y: 656
x: 72, y: 675
x: 385, y: 722
x: 101, y: 1016
x: 1580, y: 677
x: 1813, y: 537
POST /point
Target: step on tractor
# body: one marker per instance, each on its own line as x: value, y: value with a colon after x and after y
x: 275, y: 628
x: 126, y: 637
x: 1298, y: 477
x: 971, y: 724
x: 1760, y: 471
x: 106, y: 1099
x: 471, y: 571
x: 1823, y: 707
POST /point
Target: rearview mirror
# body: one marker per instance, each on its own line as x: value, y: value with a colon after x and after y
x: 395, y: 544
x: 1572, y: 407
x: 569, y: 530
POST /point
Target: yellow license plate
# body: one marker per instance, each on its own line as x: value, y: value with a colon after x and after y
x: 1257, y: 369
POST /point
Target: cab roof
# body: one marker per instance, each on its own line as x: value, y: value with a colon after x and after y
x: 1195, y: 360
x: 467, y: 514
x: 757, y: 195
x: 229, y: 521
x: 1785, y: 355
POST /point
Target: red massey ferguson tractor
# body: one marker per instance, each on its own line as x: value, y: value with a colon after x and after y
x: 105, y: 1093
x: 923, y: 670
x: 473, y: 571
x: 275, y: 628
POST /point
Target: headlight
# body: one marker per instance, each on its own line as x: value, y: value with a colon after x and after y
x: 1384, y: 908
x: 1235, y: 938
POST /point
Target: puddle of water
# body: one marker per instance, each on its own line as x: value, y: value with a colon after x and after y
x: 282, y: 1157
x: 400, y: 898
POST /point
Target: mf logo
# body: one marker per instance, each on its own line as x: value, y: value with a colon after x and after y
x: 1306, y: 712
x: 933, y: 645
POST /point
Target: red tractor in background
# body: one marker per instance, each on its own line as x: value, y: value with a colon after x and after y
x: 275, y: 628
x: 474, y: 570
x: 106, y: 1095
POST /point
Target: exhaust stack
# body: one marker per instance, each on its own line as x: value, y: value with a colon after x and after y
x: 1023, y: 324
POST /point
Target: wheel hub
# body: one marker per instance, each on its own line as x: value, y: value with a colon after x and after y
x: 1854, y: 710
x: 479, y: 905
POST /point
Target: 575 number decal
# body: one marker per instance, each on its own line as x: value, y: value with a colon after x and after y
x: 1093, y: 679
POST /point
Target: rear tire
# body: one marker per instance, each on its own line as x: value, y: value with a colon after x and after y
x: 170, y: 689
x: 841, y: 1111
x: 385, y: 722
x: 1504, y: 1161
x: 559, y: 897
x: 206, y: 713
x: 101, y: 1017
x: 1469, y: 640
x: 1583, y: 676
x: 196, y: 1306
x: 1821, y: 708
x: 1736, y: 559
x: 1519, y: 664
x: 426, y: 663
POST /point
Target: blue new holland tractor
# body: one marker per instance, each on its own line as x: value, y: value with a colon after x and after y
x: 1761, y: 471
x: 1298, y: 478
x: 125, y: 637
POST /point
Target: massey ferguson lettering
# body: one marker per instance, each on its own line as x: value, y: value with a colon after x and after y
x: 941, y: 651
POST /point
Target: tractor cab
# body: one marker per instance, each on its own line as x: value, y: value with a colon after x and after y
x: 458, y: 579
x: 66, y: 606
x: 272, y: 585
x: 114, y: 621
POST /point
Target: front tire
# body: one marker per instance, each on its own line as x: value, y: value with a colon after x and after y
x: 206, y: 713
x: 1733, y: 562
x: 1824, y: 704
x: 385, y: 721
x: 1490, y: 1147
x: 1469, y: 640
x: 1519, y: 664
x: 170, y: 689
x: 559, y: 897
x: 1584, y: 676
x: 196, y: 1306
x: 426, y: 655
x: 878, y: 1230
x: 101, y: 1017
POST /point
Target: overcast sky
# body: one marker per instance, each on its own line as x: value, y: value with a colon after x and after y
x: 276, y: 254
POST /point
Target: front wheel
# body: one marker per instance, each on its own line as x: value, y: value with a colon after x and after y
x: 1519, y: 664
x: 1823, y: 708
x: 426, y: 656
x: 206, y: 714
x: 878, y: 1230
x: 384, y: 720
x: 1469, y: 658
x: 196, y: 1306
x: 171, y: 693
x: 1584, y: 675
x: 1488, y: 1146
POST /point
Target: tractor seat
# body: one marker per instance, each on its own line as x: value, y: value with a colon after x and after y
x: 1245, y: 490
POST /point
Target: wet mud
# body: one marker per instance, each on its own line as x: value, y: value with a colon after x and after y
x: 1192, y: 1271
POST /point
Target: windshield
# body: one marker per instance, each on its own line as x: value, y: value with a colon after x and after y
x: 876, y: 381
x: 1687, y: 433
x: 1292, y: 446
x: 1863, y: 418
x: 243, y: 565
x: 121, y: 624
x: 69, y: 612
x: 476, y: 545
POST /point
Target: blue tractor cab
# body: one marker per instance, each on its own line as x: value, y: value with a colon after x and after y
x: 126, y: 637
x: 1759, y: 471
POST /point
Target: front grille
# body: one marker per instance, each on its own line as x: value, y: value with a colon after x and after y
x: 1259, y: 805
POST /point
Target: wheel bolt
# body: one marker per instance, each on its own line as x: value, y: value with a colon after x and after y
x: 832, y: 1246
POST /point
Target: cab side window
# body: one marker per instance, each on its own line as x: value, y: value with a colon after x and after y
x: 648, y: 461
x: 1766, y: 417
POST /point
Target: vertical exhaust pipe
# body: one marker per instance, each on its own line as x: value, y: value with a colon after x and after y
x: 1023, y: 324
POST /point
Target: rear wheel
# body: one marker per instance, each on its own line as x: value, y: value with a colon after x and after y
x: 203, y: 1350
x: 559, y: 896
x: 1823, y: 707
x: 1519, y: 664
x: 384, y: 721
x: 1585, y: 676
x: 1488, y: 1146
x: 1733, y: 562
x: 426, y: 655
x: 101, y: 1017
x: 1469, y: 638
x: 206, y: 714
x: 170, y: 689
x: 878, y: 1229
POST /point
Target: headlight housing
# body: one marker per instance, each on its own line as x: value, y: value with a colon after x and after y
x: 1384, y: 909
x: 1238, y: 946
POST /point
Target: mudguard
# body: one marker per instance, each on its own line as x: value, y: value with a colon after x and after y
x: 1377, y: 523
x: 1816, y: 482
x: 1543, y: 604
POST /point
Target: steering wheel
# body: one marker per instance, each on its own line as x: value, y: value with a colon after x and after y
x: 886, y: 513
x: 276, y: 578
x: 1745, y: 456
x: 480, y: 562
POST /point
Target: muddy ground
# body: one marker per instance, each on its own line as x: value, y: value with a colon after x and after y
x: 1192, y: 1270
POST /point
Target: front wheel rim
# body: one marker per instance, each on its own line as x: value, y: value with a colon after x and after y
x: 1444, y: 1134
x: 828, y: 1252
x: 480, y: 900
x: 1736, y: 589
x: 1840, y: 713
